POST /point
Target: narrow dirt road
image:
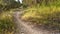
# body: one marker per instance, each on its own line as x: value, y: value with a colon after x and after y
x: 24, y: 28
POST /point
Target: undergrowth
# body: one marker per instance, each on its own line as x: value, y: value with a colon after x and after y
x: 7, y: 25
x: 45, y: 16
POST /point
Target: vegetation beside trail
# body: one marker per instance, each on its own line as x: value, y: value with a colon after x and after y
x: 43, y: 16
x: 44, y: 13
x: 7, y: 25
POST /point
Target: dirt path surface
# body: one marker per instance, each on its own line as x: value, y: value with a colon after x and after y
x: 24, y: 28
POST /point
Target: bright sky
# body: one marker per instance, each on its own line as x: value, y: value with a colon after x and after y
x: 19, y: 0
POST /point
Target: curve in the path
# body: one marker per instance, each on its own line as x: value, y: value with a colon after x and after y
x: 24, y: 28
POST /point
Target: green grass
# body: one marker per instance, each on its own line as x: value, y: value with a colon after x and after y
x: 7, y: 25
x: 46, y: 16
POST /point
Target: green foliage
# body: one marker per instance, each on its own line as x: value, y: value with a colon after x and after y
x: 7, y: 25
x: 9, y: 4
